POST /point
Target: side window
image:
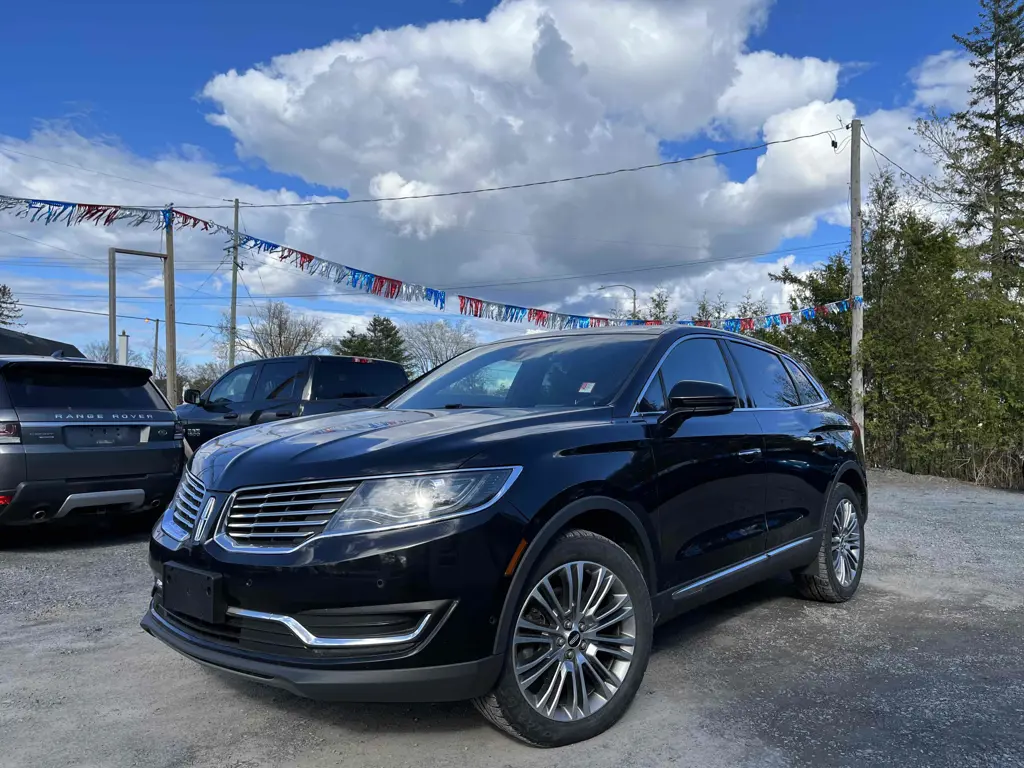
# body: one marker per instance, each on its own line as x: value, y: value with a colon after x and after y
x: 808, y: 392
x: 767, y: 381
x: 281, y: 380
x: 234, y: 385
x: 653, y: 400
x: 696, y: 360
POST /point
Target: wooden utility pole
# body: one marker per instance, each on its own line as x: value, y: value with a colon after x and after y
x: 156, y: 348
x: 169, y: 321
x: 857, y: 274
x: 234, y: 293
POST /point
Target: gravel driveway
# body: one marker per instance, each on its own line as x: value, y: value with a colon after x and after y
x: 925, y: 667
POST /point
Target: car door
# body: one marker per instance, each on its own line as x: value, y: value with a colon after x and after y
x: 279, y: 390
x: 800, y: 454
x: 220, y: 407
x: 710, y: 471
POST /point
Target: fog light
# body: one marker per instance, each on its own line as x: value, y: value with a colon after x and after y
x: 158, y: 584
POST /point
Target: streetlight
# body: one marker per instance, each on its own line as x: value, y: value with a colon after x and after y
x: 628, y: 287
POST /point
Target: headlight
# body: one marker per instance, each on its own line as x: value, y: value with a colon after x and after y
x: 402, y: 501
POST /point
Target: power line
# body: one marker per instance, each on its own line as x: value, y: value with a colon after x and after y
x: 525, y: 185
x: 104, y: 173
x: 91, y: 258
x: 912, y: 176
x: 107, y: 314
x: 646, y: 269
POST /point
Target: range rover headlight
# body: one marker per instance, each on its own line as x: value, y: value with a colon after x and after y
x: 403, y: 501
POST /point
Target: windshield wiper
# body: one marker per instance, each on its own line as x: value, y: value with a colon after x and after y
x: 456, y: 406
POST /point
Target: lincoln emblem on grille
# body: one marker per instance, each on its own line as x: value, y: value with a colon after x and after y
x: 204, y: 519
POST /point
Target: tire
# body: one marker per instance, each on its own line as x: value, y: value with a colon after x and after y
x: 827, y: 579
x: 589, y: 558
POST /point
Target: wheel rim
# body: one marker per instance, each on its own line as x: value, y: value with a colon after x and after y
x: 574, y: 640
x: 846, y: 549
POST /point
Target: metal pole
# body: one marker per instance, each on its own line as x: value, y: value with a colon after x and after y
x: 156, y: 349
x: 234, y: 293
x: 112, y: 306
x: 634, y: 301
x: 857, y: 274
x: 169, y: 321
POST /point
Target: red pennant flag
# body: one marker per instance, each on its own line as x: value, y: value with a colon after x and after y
x: 702, y: 323
x: 747, y: 324
x: 787, y: 318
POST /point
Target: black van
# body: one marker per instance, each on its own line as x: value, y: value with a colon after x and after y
x: 79, y: 437
x: 262, y: 391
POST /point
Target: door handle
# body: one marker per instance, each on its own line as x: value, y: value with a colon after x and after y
x: 283, y: 414
x: 749, y: 454
x: 230, y: 415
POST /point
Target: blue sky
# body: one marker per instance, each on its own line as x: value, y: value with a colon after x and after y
x: 121, y: 85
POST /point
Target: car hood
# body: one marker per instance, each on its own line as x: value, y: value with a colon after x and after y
x: 362, y: 443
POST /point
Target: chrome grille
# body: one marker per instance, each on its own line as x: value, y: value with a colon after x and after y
x: 187, y: 500
x: 284, y: 515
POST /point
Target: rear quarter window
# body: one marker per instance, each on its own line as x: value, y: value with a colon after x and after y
x: 339, y: 378
x: 64, y: 387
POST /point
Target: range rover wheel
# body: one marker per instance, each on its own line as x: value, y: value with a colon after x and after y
x: 579, y: 647
x: 835, y: 574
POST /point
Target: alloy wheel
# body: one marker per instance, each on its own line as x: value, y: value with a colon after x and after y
x: 574, y: 640
x: 846, y: 546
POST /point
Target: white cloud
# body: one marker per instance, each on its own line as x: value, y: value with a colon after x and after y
x: 767, y: 84
x: 943, y: 81
x: 538, y: 89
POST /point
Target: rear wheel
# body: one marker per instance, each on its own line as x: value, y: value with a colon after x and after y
x: 579, y: 647
x: 835, y: 574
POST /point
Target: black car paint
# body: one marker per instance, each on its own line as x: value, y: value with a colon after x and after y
x: 206, y: 421
x: 694, y: 501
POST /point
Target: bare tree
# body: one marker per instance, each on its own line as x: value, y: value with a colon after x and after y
x: 276, y: 331
x: 428, y: 344
x: 99, y: 351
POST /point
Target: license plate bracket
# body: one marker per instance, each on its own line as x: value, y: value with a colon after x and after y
x: 195, y: 593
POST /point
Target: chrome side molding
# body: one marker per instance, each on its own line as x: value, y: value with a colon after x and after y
x: 762, y: 558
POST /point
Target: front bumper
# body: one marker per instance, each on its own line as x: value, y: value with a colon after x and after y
x: 36, y: 501
x: 448, y: 682
x: 283, y: 616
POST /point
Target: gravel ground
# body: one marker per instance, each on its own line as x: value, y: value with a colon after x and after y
x: 925, y: 667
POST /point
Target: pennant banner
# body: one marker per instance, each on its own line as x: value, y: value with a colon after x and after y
x: 60, y: 212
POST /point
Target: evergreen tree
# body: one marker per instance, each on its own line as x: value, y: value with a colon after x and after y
x: 382, y: 339
x: 10, y: 312
x: 980, y: 150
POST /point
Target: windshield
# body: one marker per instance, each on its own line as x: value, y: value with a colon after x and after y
x: 531, y: 373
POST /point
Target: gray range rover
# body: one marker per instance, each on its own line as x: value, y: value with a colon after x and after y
x: 79, y: 437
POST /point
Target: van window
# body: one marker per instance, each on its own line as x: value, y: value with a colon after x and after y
x: 343, y: 377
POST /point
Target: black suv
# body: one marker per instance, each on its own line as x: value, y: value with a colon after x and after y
x: 511, y: 527
x: 284, y: 387
x: 78, y: 437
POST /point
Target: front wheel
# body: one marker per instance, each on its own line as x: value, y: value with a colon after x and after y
x: 579, y: 647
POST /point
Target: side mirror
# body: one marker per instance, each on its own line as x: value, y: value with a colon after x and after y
x: 698, y: 398
x: 192, y: 396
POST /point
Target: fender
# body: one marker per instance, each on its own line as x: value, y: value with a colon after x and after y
x: 843, y: 469
x: 551, y: 528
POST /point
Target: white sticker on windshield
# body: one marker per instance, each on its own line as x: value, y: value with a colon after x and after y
x: 587, y: 387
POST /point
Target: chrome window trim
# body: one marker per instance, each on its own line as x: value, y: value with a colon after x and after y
x: 312, y: 641
x: 757, y: 560
x: 225, y: 542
